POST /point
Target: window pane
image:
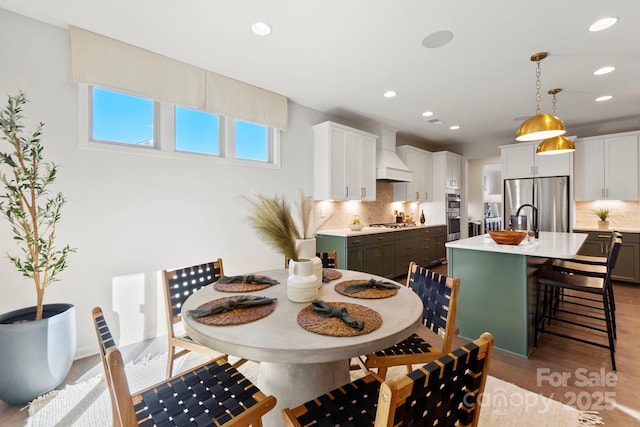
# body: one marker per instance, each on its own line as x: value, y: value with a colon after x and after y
x: 121, y: 118
x: 251, y: 141
x: 196, y: 131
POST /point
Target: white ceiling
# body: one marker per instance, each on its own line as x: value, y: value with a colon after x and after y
x: 339, y: 56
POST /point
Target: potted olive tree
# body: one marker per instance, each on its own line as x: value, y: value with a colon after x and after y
x: 37, y: 344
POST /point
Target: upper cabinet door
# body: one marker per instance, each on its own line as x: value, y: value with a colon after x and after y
x: 621, y: 168
x: 420, y: 162
x: 521, y: 161
x: 606, y: 168
x: 453, y: 173
x: 344, y: 163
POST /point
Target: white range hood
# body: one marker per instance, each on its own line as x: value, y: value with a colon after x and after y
x: 388, y: 165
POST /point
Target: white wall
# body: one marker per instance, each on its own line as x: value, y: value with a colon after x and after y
x: 131, y: 216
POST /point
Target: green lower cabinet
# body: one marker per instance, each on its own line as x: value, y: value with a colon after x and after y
x: 387, y: 254
x: 496, y: 296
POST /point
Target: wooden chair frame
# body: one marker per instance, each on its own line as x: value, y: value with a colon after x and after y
x: 445, y: 391
x: 178, y: 284
x: 134, y: 409
x: 394, y: 356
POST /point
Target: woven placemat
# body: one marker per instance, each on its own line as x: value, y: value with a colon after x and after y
x: 237, y: 316
x: 335, y: 327
x: 331, y: 274
x: 367, y: 293
x: 239, y: 287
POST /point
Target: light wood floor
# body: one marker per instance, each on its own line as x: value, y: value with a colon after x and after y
x: 590, y: 383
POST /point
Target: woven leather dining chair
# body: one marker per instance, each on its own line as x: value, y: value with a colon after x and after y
x: 211, y: 394
x: 178, y: 285
x: 439, y: 295
x: 444, y: 392
x: 583, y: 314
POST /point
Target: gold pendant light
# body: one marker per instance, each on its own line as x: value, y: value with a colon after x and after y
x: 559, y: 144
x: 540, y: 126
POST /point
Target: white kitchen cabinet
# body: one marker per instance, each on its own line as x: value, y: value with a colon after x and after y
x: 447, y: 171
x: 521, y: 161
x: 606, y: 167
x: 344, y: 163
x: 420, y: 162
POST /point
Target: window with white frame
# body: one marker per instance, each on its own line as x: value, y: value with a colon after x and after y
x: 124, y: 119
x: 121, y: 118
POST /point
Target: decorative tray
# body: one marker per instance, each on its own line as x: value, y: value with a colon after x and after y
x: 335, y: 327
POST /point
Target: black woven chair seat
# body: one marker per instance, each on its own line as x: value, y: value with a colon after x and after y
x: 352, y: 405
x: 212, y: 392
x: 412, y: 345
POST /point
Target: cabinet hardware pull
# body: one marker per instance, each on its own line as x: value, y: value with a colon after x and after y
x: 363, y: 192
x: 417, y: 195
x: 346, y: 191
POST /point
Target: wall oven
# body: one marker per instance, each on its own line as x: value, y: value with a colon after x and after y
x: 453, y: 216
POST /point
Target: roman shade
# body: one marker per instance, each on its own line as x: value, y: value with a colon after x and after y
x: 101, y: 61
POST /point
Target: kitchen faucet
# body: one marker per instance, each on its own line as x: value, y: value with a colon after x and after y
x: 534, y: 225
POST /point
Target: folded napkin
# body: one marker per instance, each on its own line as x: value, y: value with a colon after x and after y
x: 327, y: 310
x: 249, y: 278
x: 371, y: 284
x: 230, y: 305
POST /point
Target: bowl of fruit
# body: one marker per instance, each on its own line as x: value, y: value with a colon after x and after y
x: 356, y: 225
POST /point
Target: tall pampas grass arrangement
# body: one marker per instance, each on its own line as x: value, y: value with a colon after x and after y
x: 275, y: 223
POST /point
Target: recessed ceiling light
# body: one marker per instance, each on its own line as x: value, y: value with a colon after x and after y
x: 437, y: 39
x: 604, y: 70
x: 454, y: 127
x: 389, y: 94
x: 603, y: 24
x: 604, y: 98
x: 427, y: 114
x: 261, y: 28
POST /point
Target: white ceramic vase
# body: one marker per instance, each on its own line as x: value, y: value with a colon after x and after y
x: 301, y: 283
x: 307, y: 250
x: 603, y: 224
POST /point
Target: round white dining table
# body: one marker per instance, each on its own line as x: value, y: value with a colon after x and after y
x: 297, y: 365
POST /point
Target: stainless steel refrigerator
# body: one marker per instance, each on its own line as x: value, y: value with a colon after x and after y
x: 550, y: 195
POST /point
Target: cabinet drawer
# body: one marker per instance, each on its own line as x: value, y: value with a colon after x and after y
x: 374, y: 239
x: 409, y: 246
x: 355, y: 241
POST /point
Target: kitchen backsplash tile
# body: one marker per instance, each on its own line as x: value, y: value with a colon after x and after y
x: 340, y: 214
x: 623, y: 214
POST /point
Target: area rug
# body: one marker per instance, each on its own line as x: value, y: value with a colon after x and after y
x: 87, y: 403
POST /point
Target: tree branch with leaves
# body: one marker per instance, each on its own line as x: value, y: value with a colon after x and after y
x: 33, y: 217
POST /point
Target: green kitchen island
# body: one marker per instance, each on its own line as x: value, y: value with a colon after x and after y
x: 497, y: 285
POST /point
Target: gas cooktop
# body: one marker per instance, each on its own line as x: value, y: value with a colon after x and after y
x: 394, y: 225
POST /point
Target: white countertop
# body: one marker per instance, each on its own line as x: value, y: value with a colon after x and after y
x: 548, y: 245
x: 347, y: 232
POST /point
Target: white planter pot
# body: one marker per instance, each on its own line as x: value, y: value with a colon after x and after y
x: 35, y: 356
x: 301, y: 283
x: 307, y: 250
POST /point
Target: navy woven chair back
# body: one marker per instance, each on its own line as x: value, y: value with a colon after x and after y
x: 183, y: 282
x: 444, y: 393
x: 435, y: 295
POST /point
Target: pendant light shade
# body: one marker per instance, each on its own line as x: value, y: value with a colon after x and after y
x: 542, y: 125
x: 559, y: 144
